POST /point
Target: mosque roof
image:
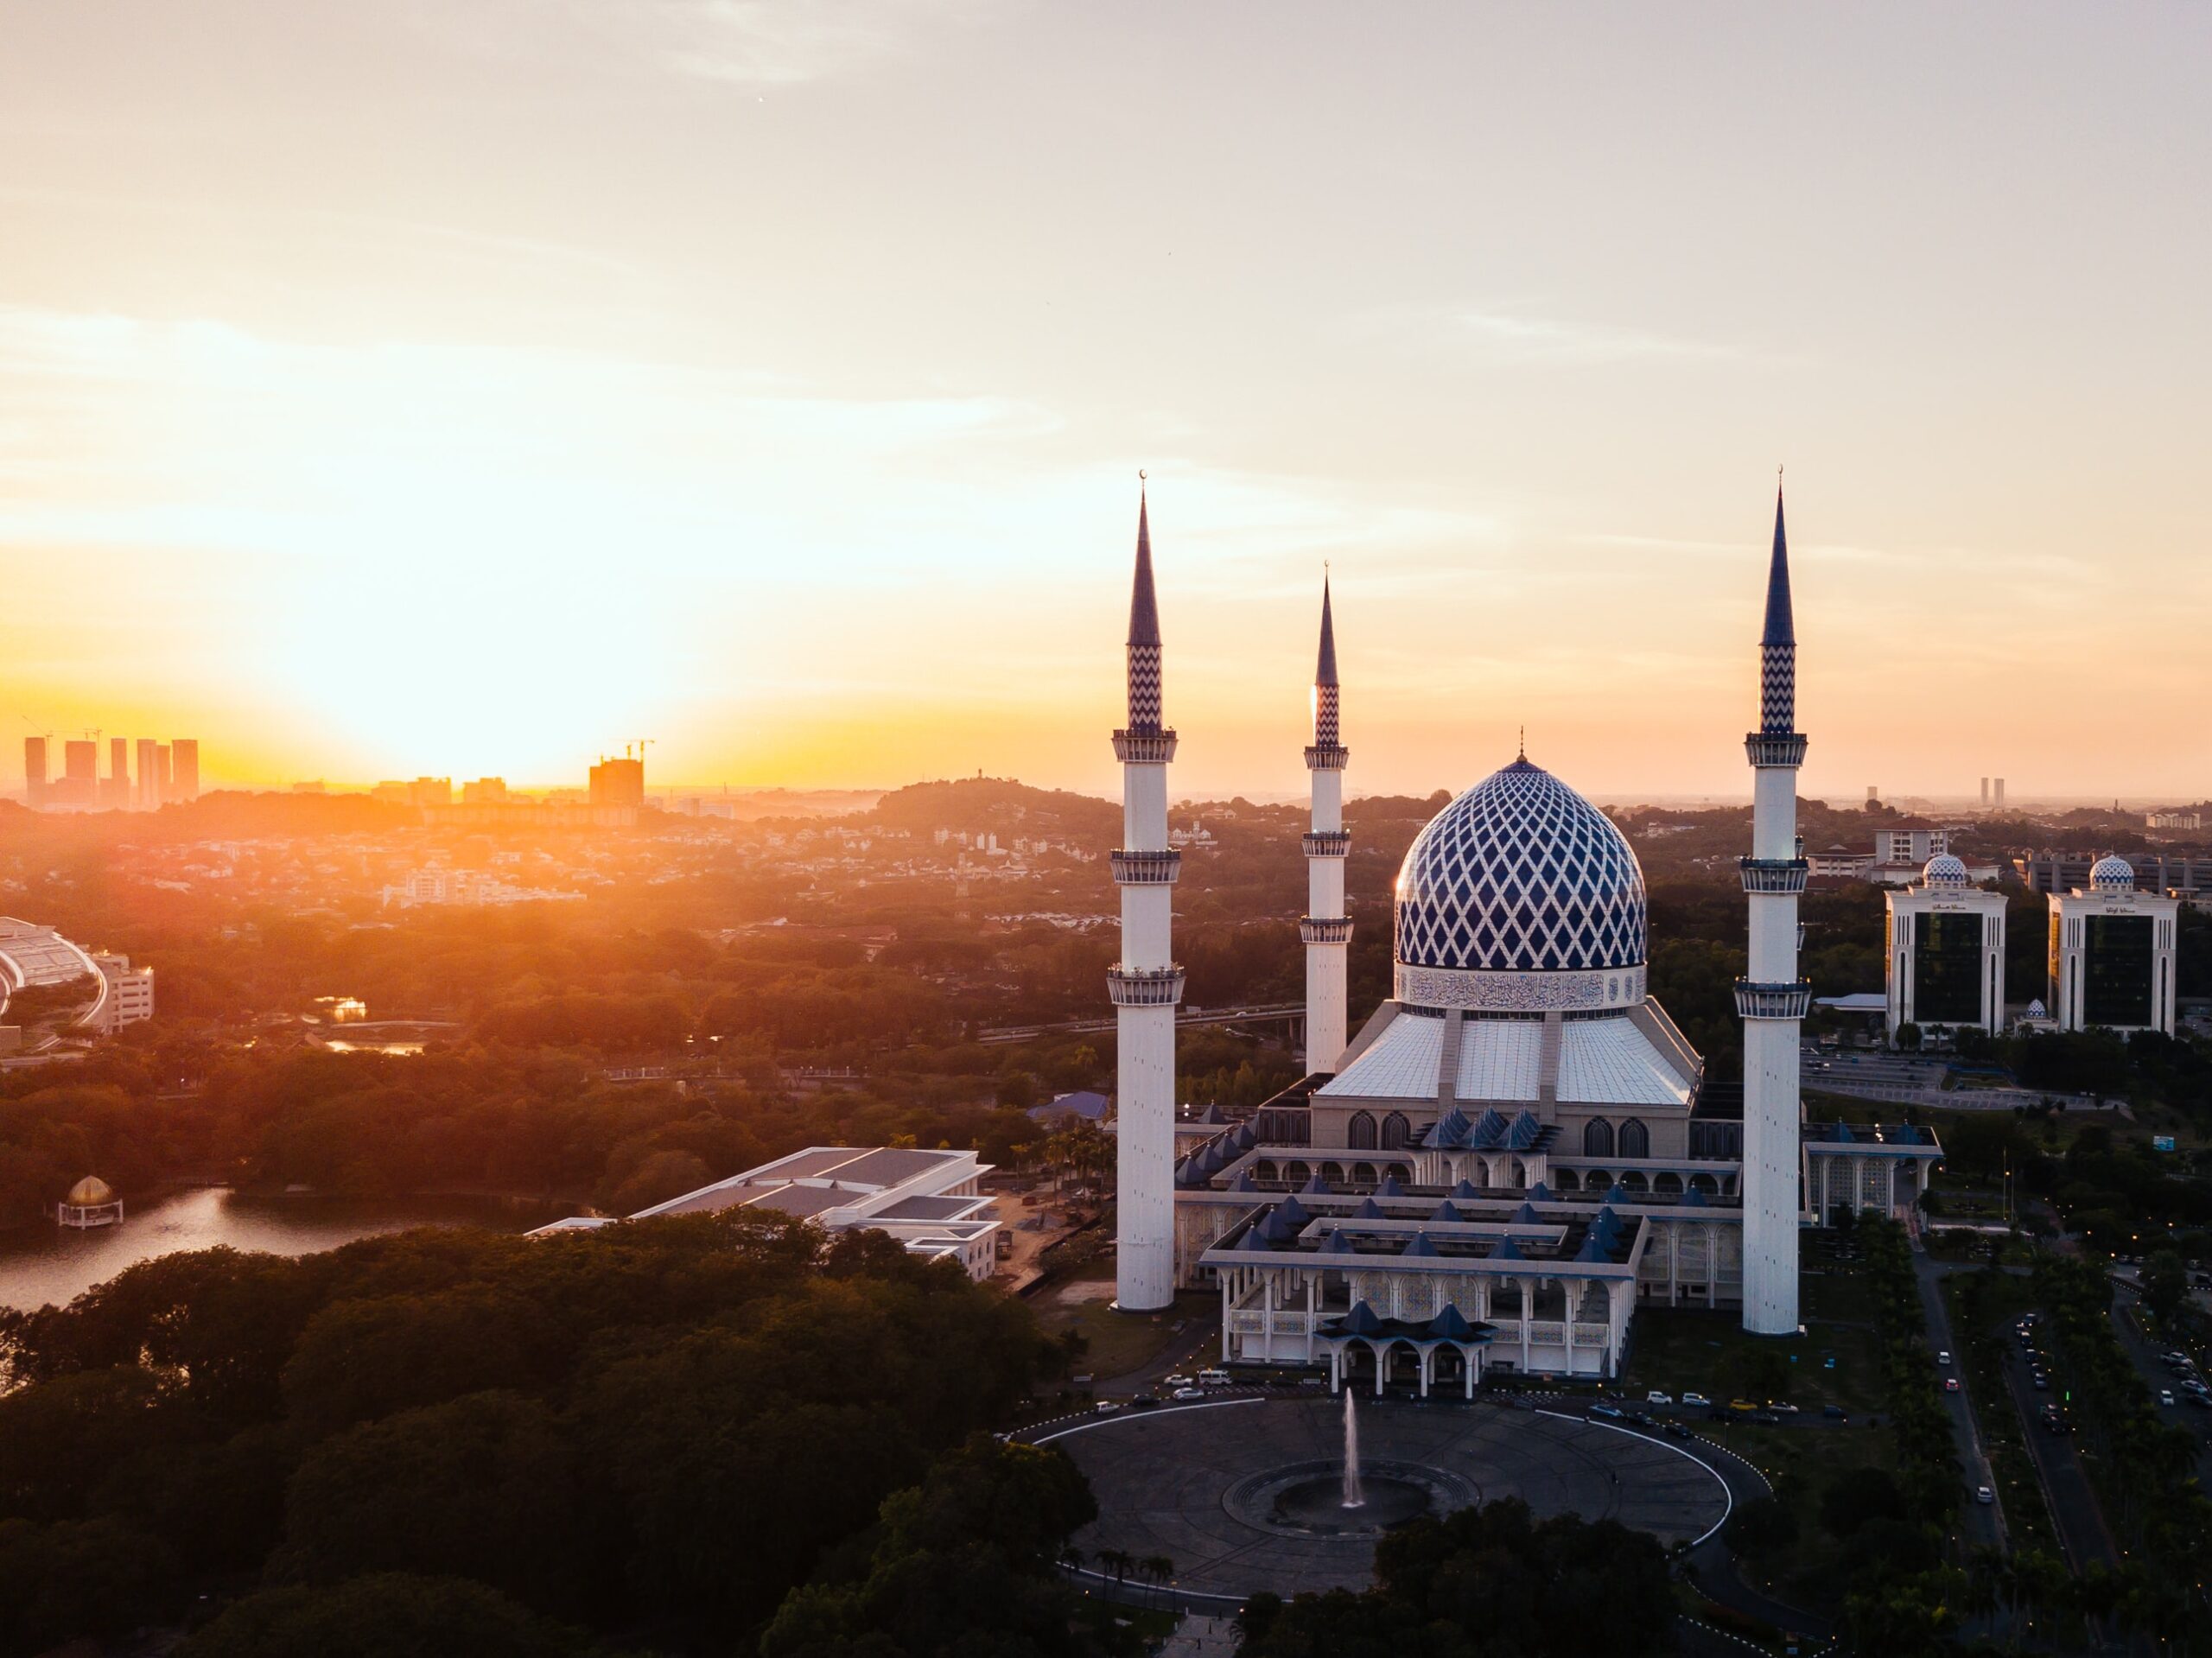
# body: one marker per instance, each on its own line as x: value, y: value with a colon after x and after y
x: 1520, y: 873
x: 2112, y: 873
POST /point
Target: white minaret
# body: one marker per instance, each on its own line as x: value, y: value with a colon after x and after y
x: 1147, y: 984
x: 1773, y: 999
x: 1325, y: 930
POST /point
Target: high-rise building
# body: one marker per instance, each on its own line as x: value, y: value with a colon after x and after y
x: 2112, y: 953
x: 1998, y: 802
x: 115, y: 791
x: 619, y: 783
x: 1946, y: 958
x: 34, y: 771
x: 485, y: 791
x: 1325, y: 930
x: 150, y: 774
x: 1772, y: 998
x: 184, y: 767
x: 80, y: 783
x: 1984, y: 794
x: 1146, y: 984
x: 163, y: 759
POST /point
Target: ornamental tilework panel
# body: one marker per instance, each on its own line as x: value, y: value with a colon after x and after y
x: 1144, y: 687
x: 1777, y: 688
x: 1520, y: 874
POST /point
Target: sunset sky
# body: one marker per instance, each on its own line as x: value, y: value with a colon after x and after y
x: 471, y: 386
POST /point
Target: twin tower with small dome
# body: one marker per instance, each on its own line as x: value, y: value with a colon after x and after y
x: 1518, y: 1146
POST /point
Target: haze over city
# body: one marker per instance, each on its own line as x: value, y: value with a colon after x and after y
x: 467, y: 388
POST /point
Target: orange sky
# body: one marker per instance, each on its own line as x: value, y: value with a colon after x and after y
x: 471, y: 386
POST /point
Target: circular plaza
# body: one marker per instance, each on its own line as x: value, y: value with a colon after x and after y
x: 1242, y: 1494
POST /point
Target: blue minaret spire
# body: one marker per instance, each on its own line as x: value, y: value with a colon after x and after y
x: 1325, y: 690
x: 1778, y: 643
x: 1144, y: 630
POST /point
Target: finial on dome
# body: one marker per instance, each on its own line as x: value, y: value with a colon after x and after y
x: 1523, y: 754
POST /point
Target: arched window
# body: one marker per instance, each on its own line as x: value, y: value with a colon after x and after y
x: 1705, y: 1185
x: 1333, y: 1173
x: 1520, y: 1174
x: 1597, y: 1137
x: 1632, y: 1181
x: 1394, y: 1130
x: 1266, y: 1173
x: 1359, y: 1132
x: 1635, y: 1139
x: 1668, y: 1182
x: 1566, y: 1180
x: 1362, y: 1174
x: 1298, y: 1174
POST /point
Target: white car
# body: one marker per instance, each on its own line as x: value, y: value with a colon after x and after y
x: 1108, y: 1407
x: 2165, y: 1395
x: 1188, y: 1393
x: 1176, y: 1382
x: 1943, y: 1357
x: 1983, y: 1494
x: 1696, y: 1399
x: 1781, y: 1405
x: 1655, y: 1397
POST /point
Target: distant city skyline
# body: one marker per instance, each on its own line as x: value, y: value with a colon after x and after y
x: 468, y: 388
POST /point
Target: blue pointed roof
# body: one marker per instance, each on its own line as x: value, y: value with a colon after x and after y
x: 1292, y: 1209
x: 1446, y: 1211
x: 1450, y: 1324
x: 1526, y: 1215
x: 1419, y: 1245
x: 1843, y: 1132
x: 1781, y: 628
x: 1489, y: 1128
x: 1361, y: 1320
x: 1144, y: 606
x: 1466, y: 1189
x: 1368, y: 1210
x: 1335, y: 1244
x: 1244, y: 1182
x: 1525, y: 1130
x: 1540, y: 1193
x: 1693, y: 1198
x: 1391, y: 1186
x: 1317, y: 1187
x: 1593, y: 1251
x: 1507, y: 1250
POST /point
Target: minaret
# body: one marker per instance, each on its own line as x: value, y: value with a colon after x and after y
x: 1146, y: 984
x: 1773, y: 999
x: 1325, y: 930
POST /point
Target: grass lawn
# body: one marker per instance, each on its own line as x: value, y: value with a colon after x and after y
x: 1120, y: 1342
x: 1679, y: 1351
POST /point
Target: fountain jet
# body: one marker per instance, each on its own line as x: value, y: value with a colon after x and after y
x: 1354, y: 1497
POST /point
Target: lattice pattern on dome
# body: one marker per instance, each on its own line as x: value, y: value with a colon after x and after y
x: 1520, y: 874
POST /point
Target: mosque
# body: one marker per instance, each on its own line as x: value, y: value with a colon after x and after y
x: 1519, y: 1148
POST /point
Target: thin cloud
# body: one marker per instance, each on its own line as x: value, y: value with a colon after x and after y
x: 1521, y: 335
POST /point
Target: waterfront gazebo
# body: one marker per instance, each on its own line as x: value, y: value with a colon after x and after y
x: 92, y: 1202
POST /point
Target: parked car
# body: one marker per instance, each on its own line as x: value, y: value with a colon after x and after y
x: 1190, y: 1392
x: 1213, y: 1378
x: 1835, y: 1413
x: 1655, y: 1397
x: 1782, y: 1406
x: 1144, y: 1401
x: 1983, y: 1494
x: 1639, y: 1419
x: 1108, y: 1407
x: 1608, y: 1413
x: 1678, y: 1430
x: 1177, y: 1381
x: 1741, y: 1408
x: 2165, y: 1395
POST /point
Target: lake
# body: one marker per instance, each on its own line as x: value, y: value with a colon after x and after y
x: 53, y: 1263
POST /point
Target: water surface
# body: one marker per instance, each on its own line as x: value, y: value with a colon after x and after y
x: 40, y: 1264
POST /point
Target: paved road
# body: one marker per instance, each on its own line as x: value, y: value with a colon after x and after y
x: 2159, y: 1379
x: 2082, y: 1534
x: 1981, y: 1523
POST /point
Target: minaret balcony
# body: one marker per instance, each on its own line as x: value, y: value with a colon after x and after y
x: 1323, y: 930
x: 1327, y: 757
x: 1755, y: 1001
x: 1146, y: 869
x: 1327, y: 844
x: 1766, y: 748
x: 1144, y: 987
x: 1155, y: 747
x: 1773, y: 875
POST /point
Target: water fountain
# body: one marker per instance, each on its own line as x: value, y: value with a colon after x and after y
x: 1354, y: 1497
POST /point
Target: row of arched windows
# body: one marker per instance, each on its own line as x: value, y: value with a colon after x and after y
x: 1599, y: 1139
x: 1362, y: 1135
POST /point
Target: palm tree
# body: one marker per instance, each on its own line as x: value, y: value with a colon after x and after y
x: 1160, y: 1568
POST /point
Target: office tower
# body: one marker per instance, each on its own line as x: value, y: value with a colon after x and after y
x: 115, y: 789
x: 1984, y: 794
x: 1325, y: 930
x: 168, y: 782
x: 619, y: 783
x: 79, y: 784
x: 1772, y: 998
x: 1146, y: 985
x: 34, y: 771
x: 2000, y: 794
x: 184, y: 766
x: 150, y: 774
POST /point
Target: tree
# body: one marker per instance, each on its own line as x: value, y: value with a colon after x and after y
x: 2165, y: 1284
x: 1909, y: 1037
x: 379, y: 1616
x: 1763, y: 1528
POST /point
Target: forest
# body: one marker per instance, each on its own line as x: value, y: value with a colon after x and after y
x: 671, y: 1436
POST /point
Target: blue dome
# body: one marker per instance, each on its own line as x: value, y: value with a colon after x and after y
x: 2112, y: 873
x: 1520, y: 874
x: 1944, y: 870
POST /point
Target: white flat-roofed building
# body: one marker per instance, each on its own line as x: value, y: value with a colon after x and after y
x: 931, y: 1201
x: 130, y: 993
x: 1945, y: 957
x: 2112, y: 953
